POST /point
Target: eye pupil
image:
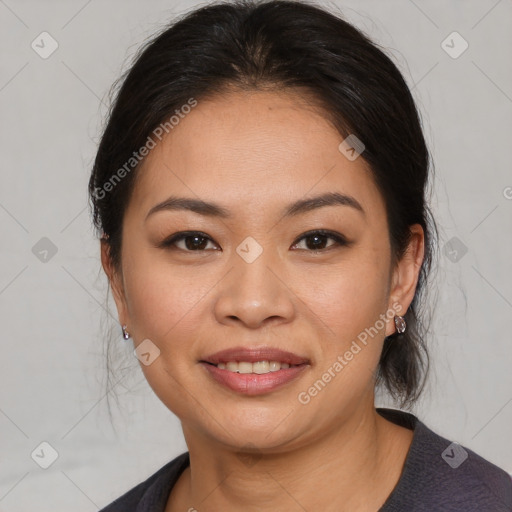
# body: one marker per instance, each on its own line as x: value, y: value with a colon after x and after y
x: 194, y: 246
x: 315, y: 245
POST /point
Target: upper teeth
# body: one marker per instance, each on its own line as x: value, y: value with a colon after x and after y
x: 259, y: 367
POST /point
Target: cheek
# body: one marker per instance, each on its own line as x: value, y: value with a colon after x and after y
x: 160, y: 299
x: 164, y: 307
x: 347, y: 305
x: 350, y: 297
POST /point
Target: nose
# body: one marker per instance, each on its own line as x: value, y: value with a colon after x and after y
x: 255, y: 294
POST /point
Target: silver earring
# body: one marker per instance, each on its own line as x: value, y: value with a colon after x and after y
x: 126, y: 335
x: 400, y: 324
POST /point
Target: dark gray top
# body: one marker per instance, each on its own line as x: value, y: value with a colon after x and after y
x: 438, y: 475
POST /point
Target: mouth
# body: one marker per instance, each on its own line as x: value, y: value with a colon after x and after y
x: 258, y: 368
x: 254, y: 371
x: 255, y: 355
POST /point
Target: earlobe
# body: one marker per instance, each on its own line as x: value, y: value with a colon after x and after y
x: 407, y: 270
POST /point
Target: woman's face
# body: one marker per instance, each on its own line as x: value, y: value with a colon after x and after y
x: 251, y: 279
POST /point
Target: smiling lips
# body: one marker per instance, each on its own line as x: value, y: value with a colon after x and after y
x: 253, y: 355
x: 254, y: 371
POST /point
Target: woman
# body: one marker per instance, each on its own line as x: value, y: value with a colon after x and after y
x: 261, y: 190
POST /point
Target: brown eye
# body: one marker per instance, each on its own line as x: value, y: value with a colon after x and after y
x: 192, y: 241
x: 315, y: 241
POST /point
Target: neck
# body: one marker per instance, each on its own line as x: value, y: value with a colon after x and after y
x: 346, y: 469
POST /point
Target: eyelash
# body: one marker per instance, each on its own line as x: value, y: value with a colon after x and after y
x: 339, y: 239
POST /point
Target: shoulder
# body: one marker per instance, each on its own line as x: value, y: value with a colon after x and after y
x: 152, y: 493
x: 460, y: 478
x: 443, y: 475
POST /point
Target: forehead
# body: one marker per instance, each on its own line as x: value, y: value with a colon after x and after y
x: 252, y: 150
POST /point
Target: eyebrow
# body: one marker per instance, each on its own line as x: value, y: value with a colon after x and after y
x: 210, y: 209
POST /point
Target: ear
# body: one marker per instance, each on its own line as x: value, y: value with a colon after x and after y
x: 116, y: 283
x: 405, y: 275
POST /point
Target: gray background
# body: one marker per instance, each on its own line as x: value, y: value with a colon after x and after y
x: 54, y: 315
